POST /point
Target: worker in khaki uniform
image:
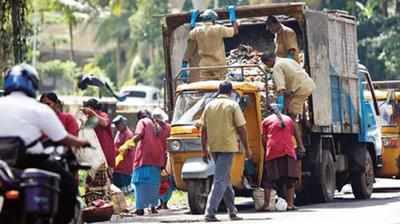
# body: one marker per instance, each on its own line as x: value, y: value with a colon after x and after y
x: 291, y: 81
x: 222, y: 122
x: 285, y: 39
x: 208, y: 41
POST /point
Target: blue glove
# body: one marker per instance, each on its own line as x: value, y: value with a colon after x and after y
x: 280, y: 100
x: 290, y: 55
x: 184, y: 74
x: 232, y: 13
x: 193, y: 18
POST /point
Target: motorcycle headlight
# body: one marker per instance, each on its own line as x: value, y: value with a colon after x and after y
x: 175, y: 145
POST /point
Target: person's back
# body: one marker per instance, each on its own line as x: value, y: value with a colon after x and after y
x: 221, y: 117
x: 210, y: 42
x: 149, y: 150
x: 24, y: 117
x: 280, y: 140
x: 289, y: 75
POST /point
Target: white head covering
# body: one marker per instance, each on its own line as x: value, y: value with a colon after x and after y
x: 159, y: 114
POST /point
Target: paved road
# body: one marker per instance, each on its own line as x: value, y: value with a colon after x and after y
x: 382, y: 208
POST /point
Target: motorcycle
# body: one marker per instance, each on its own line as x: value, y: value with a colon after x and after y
x: 30, y: 196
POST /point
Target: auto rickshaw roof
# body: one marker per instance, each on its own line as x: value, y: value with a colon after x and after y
x: 212, y: 85
x: 380, y: 94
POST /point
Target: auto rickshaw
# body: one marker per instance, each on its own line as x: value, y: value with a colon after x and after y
x: 191, y: 173
x: 388, y: 97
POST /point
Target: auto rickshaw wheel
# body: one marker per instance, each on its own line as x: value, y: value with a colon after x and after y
x: 197, y: 194
x: 362, y: 181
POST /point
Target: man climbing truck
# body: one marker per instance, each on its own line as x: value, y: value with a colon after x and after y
x: 338, y: 150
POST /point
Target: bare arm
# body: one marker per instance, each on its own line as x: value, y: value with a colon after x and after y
x: 243, y: 138
x: 298, y: 139
x: 236, y: 28
x: 71, y: 140
x: 204, y: 139
x: 102, y: 120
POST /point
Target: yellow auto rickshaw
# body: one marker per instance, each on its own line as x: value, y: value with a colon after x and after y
x: 191, y: 173
x: 388, y: 97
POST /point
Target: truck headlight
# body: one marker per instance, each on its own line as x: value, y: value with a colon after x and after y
x: 175, y: 145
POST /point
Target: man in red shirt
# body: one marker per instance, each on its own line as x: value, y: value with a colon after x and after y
x: 123, y: 171
x: 92, y: 109
x: 280, y: 158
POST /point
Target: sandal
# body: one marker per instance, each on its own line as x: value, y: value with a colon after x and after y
x: 294, y: 208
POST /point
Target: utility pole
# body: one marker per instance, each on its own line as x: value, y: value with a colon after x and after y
x: 216, y: 4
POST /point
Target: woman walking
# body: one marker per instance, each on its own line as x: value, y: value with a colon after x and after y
x: 149, y: 159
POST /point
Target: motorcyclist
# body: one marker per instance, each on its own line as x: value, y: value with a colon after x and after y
x: 22, y: 116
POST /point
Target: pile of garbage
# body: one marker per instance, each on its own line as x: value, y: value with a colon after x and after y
x: 245, y: 54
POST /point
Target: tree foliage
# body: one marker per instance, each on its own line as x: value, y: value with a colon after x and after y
x: 378, y: 35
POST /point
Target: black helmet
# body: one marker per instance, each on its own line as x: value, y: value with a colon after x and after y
x: 22, y: 78
x: 209, y: 15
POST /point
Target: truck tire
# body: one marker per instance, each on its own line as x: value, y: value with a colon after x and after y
x: 362, y: 181
x: 197, y: 195
x: 326, y: 185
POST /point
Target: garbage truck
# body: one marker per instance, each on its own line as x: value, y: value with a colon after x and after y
x: 335, y: 122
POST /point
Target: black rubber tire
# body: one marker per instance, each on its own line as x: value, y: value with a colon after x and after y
x: 326, y: 179
x: 197, y: 195
x: 362, y: 182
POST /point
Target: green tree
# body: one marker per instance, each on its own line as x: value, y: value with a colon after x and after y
x: 145, y: 26
x: 115, y: 30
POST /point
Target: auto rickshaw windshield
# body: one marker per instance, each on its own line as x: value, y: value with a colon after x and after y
x: 190, y: 105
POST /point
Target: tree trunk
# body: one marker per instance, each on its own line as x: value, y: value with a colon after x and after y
x: 118, y: 77
x: 397, y: 7
x: 18, y: 29
x: 383, y: 6
x: 71, y: 41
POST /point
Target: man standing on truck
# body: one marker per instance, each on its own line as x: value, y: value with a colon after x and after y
x: 222, y: 120
x: 208, y: 40
x: 285, y: 39
x: 292, y: 82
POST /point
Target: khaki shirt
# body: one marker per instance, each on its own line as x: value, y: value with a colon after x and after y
x: 221, y: 118
x: 285, y: 40
x: 209, y: 41
x: 289, y: 75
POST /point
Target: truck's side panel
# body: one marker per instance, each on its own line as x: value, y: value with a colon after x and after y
x: 332, y: 61
x: 317, y: 39
x: 343, y: 71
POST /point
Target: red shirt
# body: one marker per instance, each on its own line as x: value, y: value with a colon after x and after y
x: 126, y: 165
x: 104, y: 135
x: 150, y: 149
x: 69, y: 122
x: 164, y: 135
x: 279, y: 140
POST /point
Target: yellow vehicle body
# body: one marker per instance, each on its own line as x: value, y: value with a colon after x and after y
x: 390, y: 134
x: 253, y: 117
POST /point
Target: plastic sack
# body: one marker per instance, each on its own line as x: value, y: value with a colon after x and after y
x: 92, y: 156
x: 259, y: 201
x: 280, y: 204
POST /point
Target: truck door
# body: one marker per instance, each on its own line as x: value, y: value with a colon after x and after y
x: 318, y: 62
